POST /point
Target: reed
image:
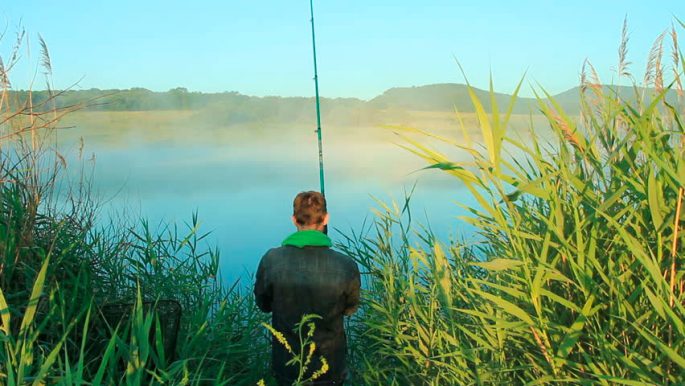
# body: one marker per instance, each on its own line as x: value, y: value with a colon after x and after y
x: 60, y: 267
x: 575, y: 274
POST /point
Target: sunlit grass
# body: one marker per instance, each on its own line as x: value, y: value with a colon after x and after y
x: 575, y: 274
x: 61, y: 266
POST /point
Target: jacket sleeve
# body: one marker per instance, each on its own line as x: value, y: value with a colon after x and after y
x: 263, y: 290
x: 352, y: 293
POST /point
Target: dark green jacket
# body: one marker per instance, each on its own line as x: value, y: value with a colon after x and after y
x: 305, y: 276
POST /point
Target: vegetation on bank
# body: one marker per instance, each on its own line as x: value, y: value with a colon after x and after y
x: 236, y: 108
x: 77, y: 298
x: 442, y: 97
x: 576, y: 274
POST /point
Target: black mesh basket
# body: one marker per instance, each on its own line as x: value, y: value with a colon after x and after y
x: 168, y: 313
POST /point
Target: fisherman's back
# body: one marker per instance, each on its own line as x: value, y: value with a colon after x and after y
x: 293, y: 281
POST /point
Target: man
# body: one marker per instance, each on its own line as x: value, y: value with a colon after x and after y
x: 305, y: 276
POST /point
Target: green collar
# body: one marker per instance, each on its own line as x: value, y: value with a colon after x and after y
x: 308, y: 238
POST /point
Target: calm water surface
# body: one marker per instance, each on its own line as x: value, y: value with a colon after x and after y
x: 242, y: 189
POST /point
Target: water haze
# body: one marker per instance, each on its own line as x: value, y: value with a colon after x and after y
x: 164, y: 166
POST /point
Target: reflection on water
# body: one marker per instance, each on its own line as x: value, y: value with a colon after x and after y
x: 242, y: 187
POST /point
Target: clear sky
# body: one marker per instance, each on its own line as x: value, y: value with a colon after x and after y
x: 364, y: 46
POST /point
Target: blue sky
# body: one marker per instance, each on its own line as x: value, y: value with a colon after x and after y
x: 364, y: 47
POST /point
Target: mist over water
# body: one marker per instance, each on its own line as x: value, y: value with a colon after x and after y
x: 242, y: 186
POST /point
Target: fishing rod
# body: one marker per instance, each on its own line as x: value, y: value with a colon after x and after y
x: 318, y: 107
x: 318, y: 110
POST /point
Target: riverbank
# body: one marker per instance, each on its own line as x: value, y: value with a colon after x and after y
x: 576, y: 275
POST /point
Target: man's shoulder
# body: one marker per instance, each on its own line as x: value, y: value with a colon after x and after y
x: 272, y: 253
x: 280, y: 251
x: 345, y: 260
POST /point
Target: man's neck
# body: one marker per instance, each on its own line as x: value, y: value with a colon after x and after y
x: 310, y: 228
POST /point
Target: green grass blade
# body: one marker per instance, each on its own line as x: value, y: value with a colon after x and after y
x: 36, y: 293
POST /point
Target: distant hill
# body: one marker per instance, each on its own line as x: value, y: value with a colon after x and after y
x: 236, y: 108
x: 444, y: 97
x: 570, y: 99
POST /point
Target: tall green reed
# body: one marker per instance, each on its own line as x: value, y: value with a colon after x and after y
x: 59, y: 266
x: 405, y: 332
x: 575, y: 277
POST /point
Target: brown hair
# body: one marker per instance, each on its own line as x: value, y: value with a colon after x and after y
x: 309, y: 208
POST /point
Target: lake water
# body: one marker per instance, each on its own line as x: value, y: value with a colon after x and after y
x: 242, y: 186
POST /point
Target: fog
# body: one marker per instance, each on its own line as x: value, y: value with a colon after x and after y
x: 241, y: 178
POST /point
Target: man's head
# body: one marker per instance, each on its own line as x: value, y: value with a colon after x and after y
x: 309, y: 211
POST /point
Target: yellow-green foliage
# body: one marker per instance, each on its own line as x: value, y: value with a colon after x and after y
x: 576, y: 274
x: 301, y: 354
x: 59, y: 267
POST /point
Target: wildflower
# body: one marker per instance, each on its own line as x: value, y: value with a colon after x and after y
x: 312, y: 347
x: 261, y: 383
x: 279, y: 337
x: 323, y: 370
